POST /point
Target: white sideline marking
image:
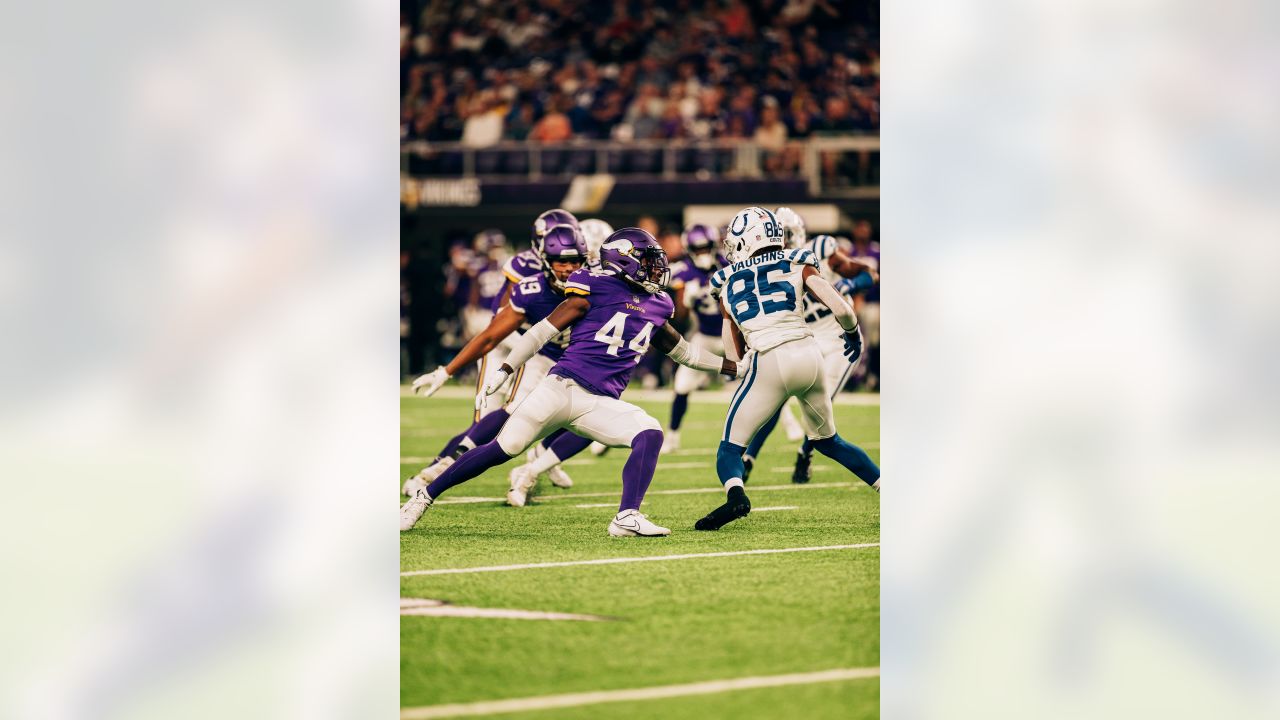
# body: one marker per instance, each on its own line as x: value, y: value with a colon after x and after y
x: 780, y: 507
x: 438, y: 608
x: 682, y: 491
x: 612, y: 561
x: 549, y: 702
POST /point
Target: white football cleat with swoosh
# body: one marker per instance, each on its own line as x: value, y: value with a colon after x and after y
x: 631, y: 523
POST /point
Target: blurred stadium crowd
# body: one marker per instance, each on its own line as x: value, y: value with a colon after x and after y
x: 461, y: 295
x: 550, y: 71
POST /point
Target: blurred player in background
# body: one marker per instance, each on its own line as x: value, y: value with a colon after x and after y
x: 690, y: 278
x: 489, y: 280
x: 611, y: 315
x: 594, y: 232
x: 524, y: 265
x: 847, y: 276
x: 762, y: 293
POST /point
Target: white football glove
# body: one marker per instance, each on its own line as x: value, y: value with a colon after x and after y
x: 430, y: 382
x: 744, y: 364
x: 495, y: 384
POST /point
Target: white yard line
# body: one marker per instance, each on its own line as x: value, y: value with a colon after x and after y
x: 425, y: 607
x: 596, y: 505
x: 780, y: 507
x: 683, y: 491
x: 551, y: 702
x: 650, y: 558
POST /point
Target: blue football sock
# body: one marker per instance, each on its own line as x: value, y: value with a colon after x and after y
x: 678, y: 408
x: 852, y: 457
x: 729, y: 461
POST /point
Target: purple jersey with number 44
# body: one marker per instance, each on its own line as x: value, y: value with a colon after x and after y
x: 607, y: 343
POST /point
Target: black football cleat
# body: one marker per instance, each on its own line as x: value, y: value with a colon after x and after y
x: 737, y: 506
x: 802, y: 473
x: 747, y: 464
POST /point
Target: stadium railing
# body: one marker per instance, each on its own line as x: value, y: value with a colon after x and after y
x: 845, y: 166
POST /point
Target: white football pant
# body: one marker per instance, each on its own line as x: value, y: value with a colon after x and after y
x: 558, y: 402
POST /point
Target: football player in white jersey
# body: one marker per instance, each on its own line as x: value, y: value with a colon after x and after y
x: 760, y: 294
x: 847, y: 276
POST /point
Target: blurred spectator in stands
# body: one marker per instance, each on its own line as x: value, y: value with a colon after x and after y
x: 519, y: 122
x: 554, y: 126
x: 771, y: 136
x: 735, y: 19
x: 483, y: 126
x: 673, y: 124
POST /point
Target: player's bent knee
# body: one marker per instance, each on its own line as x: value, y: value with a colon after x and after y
x: 647, y: 422
x: 514, y: 441
x: 732, y: 449
x: 826, y: 444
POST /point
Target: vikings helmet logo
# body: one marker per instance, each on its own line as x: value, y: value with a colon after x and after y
x: 622, y: 245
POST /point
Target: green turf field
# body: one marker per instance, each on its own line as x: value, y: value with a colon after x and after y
x: 667, y: 622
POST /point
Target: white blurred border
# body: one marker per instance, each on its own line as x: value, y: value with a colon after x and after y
x: 197, y: 279
x: 1080, y: 359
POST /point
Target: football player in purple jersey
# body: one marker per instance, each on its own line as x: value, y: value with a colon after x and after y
x: 611, y: 315
x: 522, y: 265
x: 690, y: 278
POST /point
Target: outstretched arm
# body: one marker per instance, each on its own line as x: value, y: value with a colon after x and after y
x: 502, y: 325
x: 669, y: 341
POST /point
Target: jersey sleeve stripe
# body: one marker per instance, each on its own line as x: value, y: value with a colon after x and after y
x: 512, y: 276
x: 576, y: 290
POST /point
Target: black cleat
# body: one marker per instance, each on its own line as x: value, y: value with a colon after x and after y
x: 801, y: 474
x: 747, y: 464
x: 737, y: 506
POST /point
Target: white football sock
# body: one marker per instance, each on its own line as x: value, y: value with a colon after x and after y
x: 544, y: 462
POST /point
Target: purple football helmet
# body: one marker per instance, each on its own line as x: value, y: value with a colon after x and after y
x: 633, y: 255
x: 562, y: 243
x: 548, y: 220
x: 702, y: 242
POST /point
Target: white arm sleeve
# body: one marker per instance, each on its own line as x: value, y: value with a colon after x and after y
x: 530, y: 343
x: 694, y: 357
x: 822, y: 290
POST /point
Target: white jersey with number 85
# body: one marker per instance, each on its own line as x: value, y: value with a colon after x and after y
x: 764, y: 296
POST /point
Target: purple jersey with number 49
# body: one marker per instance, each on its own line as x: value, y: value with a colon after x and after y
x: 534, y: 298
x: 606, y: 344
x: 518, y: 267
